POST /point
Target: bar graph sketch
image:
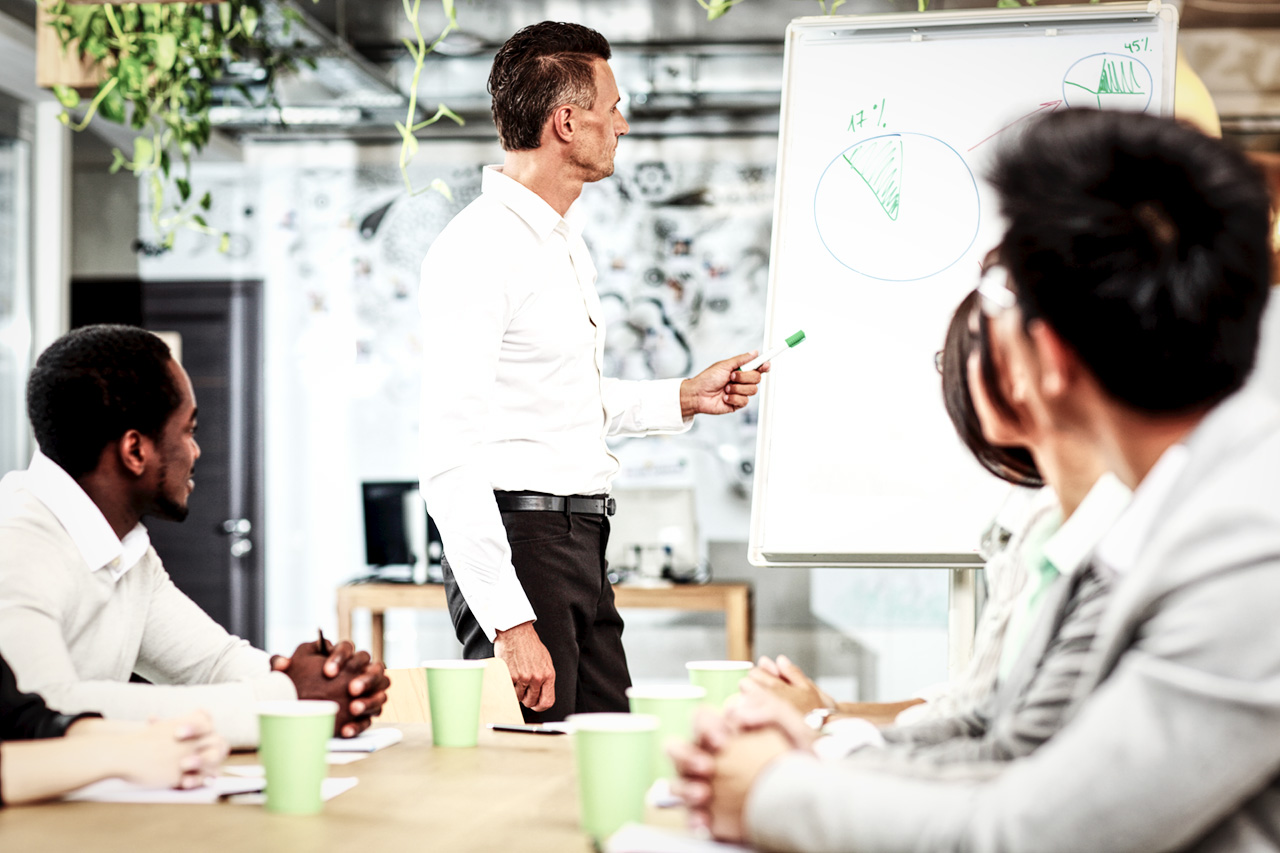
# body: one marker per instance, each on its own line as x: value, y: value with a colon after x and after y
x: 1108, y: 81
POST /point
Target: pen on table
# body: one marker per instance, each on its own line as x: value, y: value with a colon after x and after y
x: 775, y: 352
x: 322, y: 643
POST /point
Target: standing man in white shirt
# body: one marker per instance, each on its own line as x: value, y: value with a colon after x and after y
x: 515, y: 408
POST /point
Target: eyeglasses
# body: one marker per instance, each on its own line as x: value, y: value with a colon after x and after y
x: 994, y: 294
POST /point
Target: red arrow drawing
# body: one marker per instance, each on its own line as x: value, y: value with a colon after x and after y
x: 1050, y: 105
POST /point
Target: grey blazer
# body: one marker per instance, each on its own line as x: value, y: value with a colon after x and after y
x: 1173, y: 734
x: 1026, y: 708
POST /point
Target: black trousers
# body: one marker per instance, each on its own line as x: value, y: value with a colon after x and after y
x: 559, y: 559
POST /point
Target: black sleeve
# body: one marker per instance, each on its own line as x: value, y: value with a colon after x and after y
x: 24, y: 716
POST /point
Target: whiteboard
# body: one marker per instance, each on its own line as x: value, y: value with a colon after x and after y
x: 881, y: 220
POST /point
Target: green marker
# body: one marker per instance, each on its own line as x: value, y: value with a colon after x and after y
x: 774, y: 353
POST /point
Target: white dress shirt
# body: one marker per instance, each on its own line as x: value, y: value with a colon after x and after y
x: 83, y: 521
x: 1122, y: 547
x: 513, y: 392
x: 81, y: 610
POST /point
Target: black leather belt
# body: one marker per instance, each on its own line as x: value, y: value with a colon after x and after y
x: 599, y: 505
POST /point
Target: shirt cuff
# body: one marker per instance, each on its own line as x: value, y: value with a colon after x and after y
x: 660, y: 406
x: 844, y: 737
x: 61, y: 722
x: 274, y: 687
x: 501, y: 616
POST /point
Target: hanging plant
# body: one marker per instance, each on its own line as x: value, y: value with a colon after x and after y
x: 158, y: 64
x: 407, y: 129
x: 716, y: 8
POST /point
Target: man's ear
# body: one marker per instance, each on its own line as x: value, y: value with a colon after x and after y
x: 134, y: 451
x: 1059, y: 364
x: 563, y: 123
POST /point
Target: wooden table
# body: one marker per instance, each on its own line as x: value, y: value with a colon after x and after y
x: 514, y: 792
x: 732, y: 599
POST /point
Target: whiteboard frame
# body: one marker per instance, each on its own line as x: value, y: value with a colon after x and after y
x: 918, y: 27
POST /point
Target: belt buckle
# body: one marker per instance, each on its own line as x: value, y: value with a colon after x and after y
x: 610, y: 506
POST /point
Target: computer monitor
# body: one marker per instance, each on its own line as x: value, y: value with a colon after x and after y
x: 398, y: 531
x: 655, y: 529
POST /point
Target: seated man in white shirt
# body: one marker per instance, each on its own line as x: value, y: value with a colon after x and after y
x: 84, y: 600
x: 1136, y: 268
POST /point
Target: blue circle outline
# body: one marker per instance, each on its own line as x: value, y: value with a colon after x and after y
x: 1151, y: 78
x: 978, y: 198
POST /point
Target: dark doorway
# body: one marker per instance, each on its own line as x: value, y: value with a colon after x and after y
x: 214, y: 556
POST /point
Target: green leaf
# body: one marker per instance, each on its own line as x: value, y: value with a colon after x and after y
x: 95, y: 49
x: 249, y: 17
x: 131, y: 72
x: 206, y: 201
x: 118, y: 160
x: 408, y: 147
x: 199, y: 220
x: 224, y: 16
x: 184, y: 188
x: 224, y: 243
x: 450, y: 10
x: 67, y: 96
x: 112, y: 107
x: 143, y: 152
x: 64, y: 118
x: 441, y: 187
x: 166, y: 50
x: 164, y: 162
x: 717, y: 8
x: 81, y: 19
x: 167, y: 242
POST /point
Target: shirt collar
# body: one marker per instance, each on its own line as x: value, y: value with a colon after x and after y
x: 529, y: 206
x: 83, y: 521
x: 1070, y: 547
x: 1122, y: 547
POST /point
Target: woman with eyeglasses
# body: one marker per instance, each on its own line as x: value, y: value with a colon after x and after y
x: 1033, y: 576
x: 1025, y: 508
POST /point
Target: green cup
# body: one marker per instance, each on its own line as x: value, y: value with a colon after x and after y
x: 673, y: 705
x: 453, y: 692
x: 293, y: 740
x: 615, y: 768
x: 718, y: 677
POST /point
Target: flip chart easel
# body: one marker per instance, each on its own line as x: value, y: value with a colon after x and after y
x: 882, y: 217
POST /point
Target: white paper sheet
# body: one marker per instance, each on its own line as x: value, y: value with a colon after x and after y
x: 330, y: 788
x: 635, y: 838
x: 369, y: 740
x: 120, y: 791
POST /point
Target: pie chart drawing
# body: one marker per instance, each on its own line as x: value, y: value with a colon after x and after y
x: 1108, y: 81
x: 897, y: 207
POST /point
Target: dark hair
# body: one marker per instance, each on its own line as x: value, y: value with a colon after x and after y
x: 94, y: 384
x: 1144, y: 244
x: 538, y: 69
x: 1012, y: 464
